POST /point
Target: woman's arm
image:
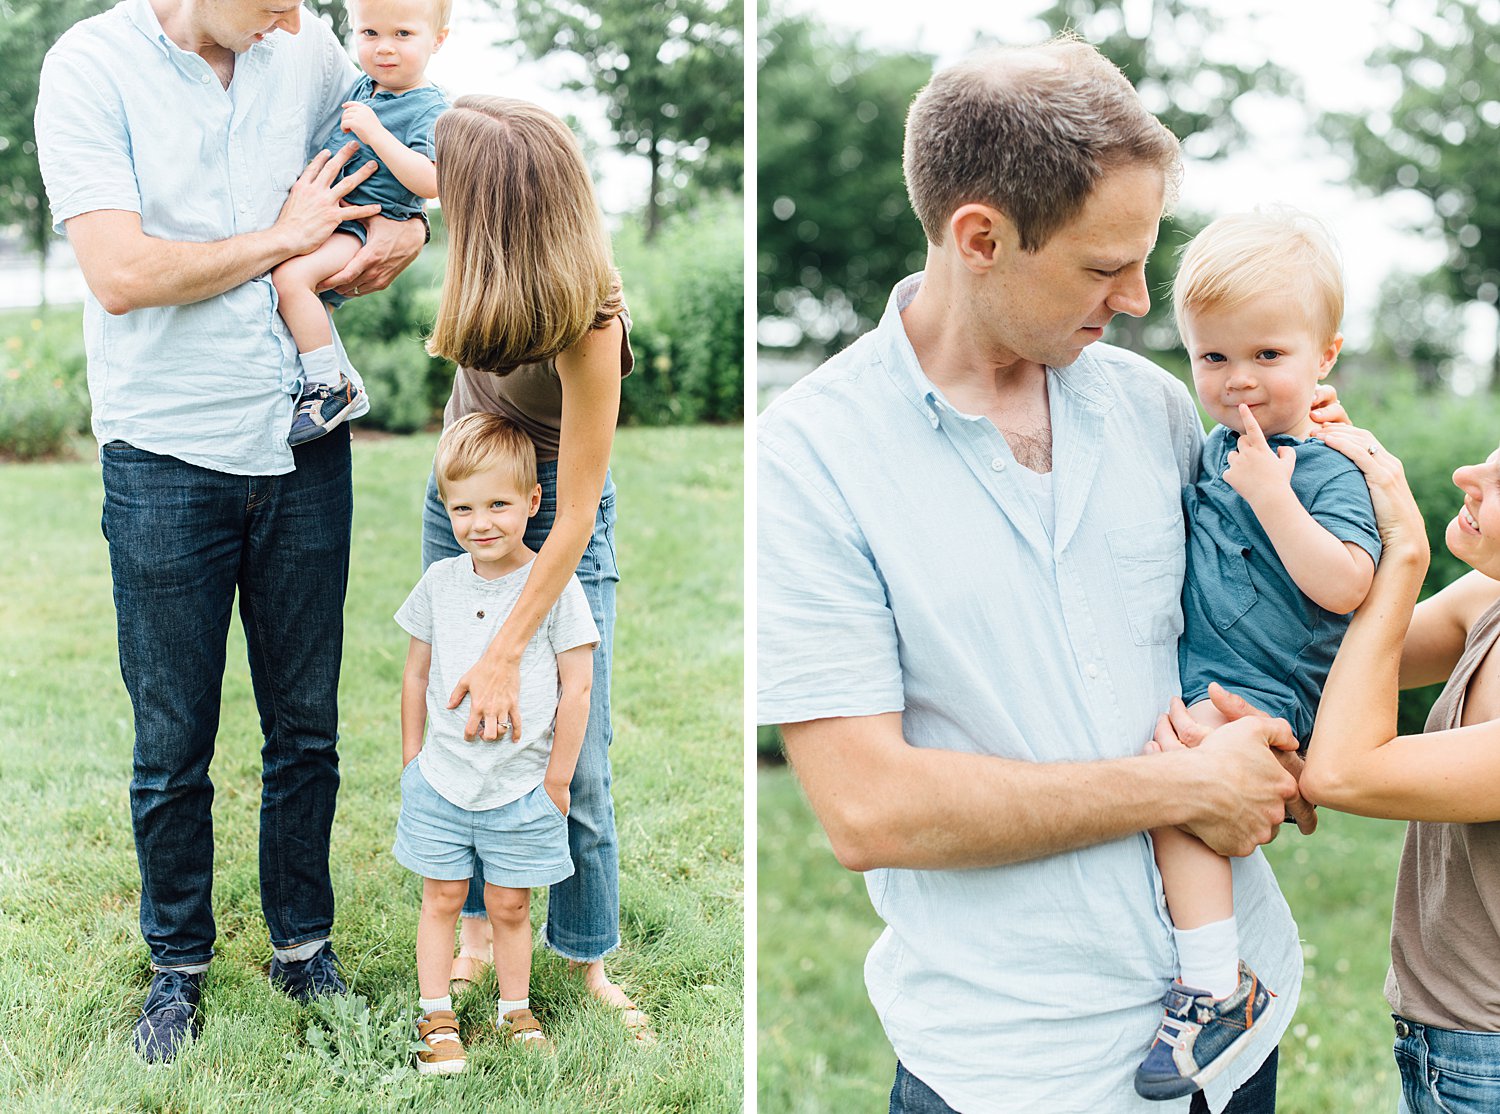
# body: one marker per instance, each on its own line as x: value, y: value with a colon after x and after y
x: 1356, y: 762
x: 590, y: 374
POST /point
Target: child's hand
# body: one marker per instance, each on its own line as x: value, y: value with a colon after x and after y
x: 1253, y: 468
x: 561, y: 794
x: 360, y: 119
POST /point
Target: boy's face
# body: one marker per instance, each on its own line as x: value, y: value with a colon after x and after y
x: 396, y: 39
x: 489, y: 512
x: 1263, y: 353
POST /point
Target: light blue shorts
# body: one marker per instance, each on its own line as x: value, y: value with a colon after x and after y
x: 521, y: 844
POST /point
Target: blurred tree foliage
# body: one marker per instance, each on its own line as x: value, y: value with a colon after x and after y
x: 672, y: 76
x: 835, y: 228
x: 1439, y: 139
x: 28, y: 28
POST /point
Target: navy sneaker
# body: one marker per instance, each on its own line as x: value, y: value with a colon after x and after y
x: 314, y: 977
x: 1200, y: 1035
x: 322, y: 407
x: 169, y: 1019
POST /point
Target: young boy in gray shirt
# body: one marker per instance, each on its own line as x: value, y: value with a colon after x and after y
x: 502, y: 802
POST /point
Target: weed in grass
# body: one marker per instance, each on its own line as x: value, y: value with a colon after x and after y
x: 360, y: 1046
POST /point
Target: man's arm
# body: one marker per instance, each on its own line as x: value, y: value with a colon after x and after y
x: 885, y: 803
x: 126, y: 269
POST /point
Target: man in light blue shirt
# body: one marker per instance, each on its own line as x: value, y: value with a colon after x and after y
x: 971, y: 558
x: 173, y: 136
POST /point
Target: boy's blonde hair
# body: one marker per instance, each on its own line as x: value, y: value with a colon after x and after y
x: 1273, y: 251
x: 440, y: 10
x: 478, y: 442
x: 529, y: 270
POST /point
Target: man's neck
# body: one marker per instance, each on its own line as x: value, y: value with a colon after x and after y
x: 180, y: 22
x: 959, y: 360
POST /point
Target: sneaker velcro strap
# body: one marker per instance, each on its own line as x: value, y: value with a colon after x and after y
x: 440, y: 1021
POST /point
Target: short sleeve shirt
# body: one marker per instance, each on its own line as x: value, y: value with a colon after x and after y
x: 1247, y: 624
x: 905, y: 566
x: 128, y: 120
x: 410, y: 117
x: 458, y: 613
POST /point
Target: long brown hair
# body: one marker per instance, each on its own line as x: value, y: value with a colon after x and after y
x: 529, y: 269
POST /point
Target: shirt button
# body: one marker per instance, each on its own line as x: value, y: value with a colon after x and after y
x: 1093, y: 670
x: 997, y: 465
x: 204, y: 79
x: 479, y: 614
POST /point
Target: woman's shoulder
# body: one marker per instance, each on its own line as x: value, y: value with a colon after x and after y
x: 1470, y: 600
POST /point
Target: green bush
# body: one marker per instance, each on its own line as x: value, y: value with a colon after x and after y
x: 686, y: 294
x: 43, y: 384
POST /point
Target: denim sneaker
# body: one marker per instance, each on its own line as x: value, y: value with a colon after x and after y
x: 314, y: 977
x: 169, y: 1019
x: 1200, y: 1035
x: 322, y: 407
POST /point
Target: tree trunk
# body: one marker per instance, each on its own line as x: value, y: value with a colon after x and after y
x: 653, y: 208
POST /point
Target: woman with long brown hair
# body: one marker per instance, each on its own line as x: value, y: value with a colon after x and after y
x: 532, y: 313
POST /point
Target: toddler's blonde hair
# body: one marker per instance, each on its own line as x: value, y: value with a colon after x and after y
x: 1271, y: 251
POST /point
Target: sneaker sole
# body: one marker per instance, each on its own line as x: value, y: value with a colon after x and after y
x: 1179, y: 1087
x: 441, y: 1067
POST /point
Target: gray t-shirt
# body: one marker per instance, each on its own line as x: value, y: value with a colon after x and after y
x: 458, y: 613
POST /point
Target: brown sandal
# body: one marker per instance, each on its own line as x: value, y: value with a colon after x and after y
x: 444, y: 1052
x: 468, y: 971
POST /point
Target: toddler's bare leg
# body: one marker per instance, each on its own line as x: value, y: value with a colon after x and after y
x: 297, y: 281
x: 510, y: 920
x: 441, y: 901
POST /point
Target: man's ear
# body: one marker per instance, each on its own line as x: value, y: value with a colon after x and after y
x: 981, y: 235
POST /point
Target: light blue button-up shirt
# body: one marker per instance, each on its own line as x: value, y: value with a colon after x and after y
x: 905, y: 566
x: 128, y: 120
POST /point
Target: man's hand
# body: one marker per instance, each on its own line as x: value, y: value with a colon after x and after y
x: 1179, y: 727
x: 1245, y: 791
x: 360, y: 119
x: 314, y: 206
x: 390, y: 248
x: 1254, y: 469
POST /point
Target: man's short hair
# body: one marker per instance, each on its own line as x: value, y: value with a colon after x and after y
x: 1029, y: 131
x: 1275, y: 250
x: 478, y: 442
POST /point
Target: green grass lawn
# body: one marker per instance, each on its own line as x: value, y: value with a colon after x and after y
x: 73, y: 969
x: 821, y: 1047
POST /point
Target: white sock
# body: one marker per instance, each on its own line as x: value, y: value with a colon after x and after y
x: 321, y: 366
x: 510, y: 1007
x: 427, y: 1005
x: 1209, y: 957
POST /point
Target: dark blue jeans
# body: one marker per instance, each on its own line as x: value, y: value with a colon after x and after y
x: 1257, y: 1095
x: 182, y: 541
x: 583, y: 912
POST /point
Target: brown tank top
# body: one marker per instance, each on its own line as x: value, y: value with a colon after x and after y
x: 530, y: 396
x: 1445, y: 931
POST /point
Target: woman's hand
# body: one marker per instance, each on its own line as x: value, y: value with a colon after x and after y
x: 493, y: 687
x: 1396, y: 512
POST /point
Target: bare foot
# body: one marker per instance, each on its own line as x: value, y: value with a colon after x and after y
x: 474, y: 953
x: 598, y: 983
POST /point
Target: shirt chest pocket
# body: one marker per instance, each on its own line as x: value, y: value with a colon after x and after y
x: 1149, y: 559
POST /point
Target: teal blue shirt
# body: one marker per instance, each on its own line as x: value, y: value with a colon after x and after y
x: 1247, y: 624
x: 409, y: 117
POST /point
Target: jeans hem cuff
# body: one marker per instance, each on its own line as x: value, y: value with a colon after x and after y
x: 192, y: 967
x: 579, y: 956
